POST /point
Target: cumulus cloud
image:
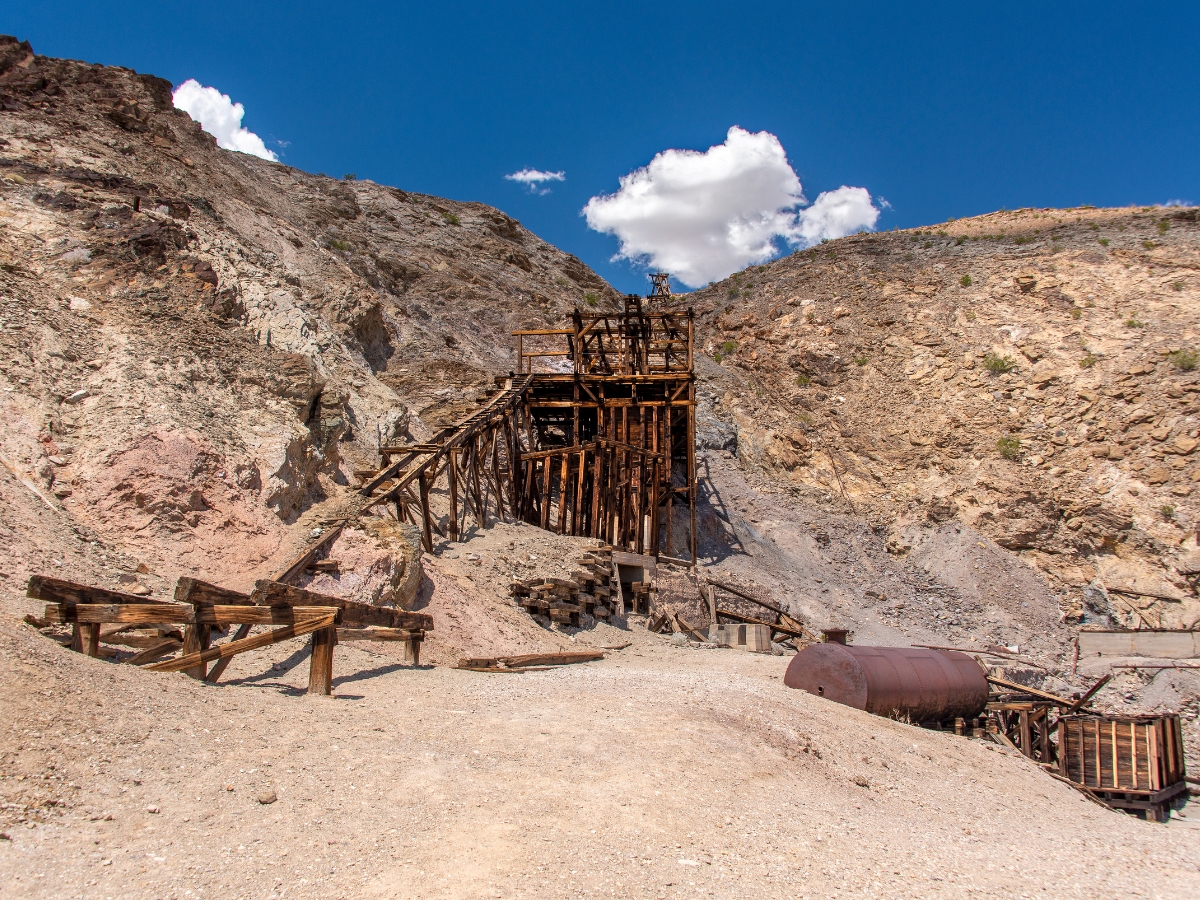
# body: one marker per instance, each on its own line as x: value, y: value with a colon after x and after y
x: 534, y: 178
x: 220, y: 117
x: 702, y: 215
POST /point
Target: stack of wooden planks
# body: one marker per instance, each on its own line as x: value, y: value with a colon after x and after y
x: 204, y: 611
x: 588, y: 591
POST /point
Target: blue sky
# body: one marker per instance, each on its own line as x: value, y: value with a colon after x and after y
x: 941, y: 109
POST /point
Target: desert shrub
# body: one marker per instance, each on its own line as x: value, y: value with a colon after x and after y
x: 451, y: 219
x: 1009, y: 446
x: 1022, y: 239
x: 717, y: 357
x: 728, y: 347
x: 965, y: 281
x: 1134, y: 322
x: 343, y: 246
x: 1167, y: 511
x: 959, y: 241
x: 1149, y: 245
x: 733, y: 292
x: 1164, y: 226
x: 1178, y: 285
x: 349, y: 176
x: 860, y: 360
x: 1103, y: 242
x: 803, y: 380
x: 590, y: 299
x: 971, y: 315
x: 1185, y: 360
x: 997, y: 364
x: 1089, y: 360
x: 1076, y: 313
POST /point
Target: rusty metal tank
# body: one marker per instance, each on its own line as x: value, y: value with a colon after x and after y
x: 898, y: 682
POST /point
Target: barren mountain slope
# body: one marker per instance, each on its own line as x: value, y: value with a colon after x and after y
x: 198, y: 344
x: 1031, y: 374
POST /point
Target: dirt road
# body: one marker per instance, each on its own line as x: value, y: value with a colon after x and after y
x: 659, y: 772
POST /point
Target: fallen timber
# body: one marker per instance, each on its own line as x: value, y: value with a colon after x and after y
x: 201, y: 608
x: 529, y: 661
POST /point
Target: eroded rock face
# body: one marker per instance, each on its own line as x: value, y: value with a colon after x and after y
x: 222, y: 340
x: 379, y: 562
x: 1032, y: 373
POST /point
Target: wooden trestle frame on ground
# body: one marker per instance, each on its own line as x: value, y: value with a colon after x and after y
x: 594, y: 439
x: 202, y: 609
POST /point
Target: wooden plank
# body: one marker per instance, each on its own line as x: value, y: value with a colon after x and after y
x: 151, y: 653
x: 182, y: 614
x: 1013, y: 686
x: 1086, y: 698
x: 533, y: 659
x: 251, y: 643
x: 379, y: 634
x: 300, y: 563
x: 271, y: 593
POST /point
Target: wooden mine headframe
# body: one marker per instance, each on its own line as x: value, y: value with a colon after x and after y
x: 594, y: 435
x: 613, y: 428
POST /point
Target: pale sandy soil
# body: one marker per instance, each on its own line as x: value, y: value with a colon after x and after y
x: 659, y: 772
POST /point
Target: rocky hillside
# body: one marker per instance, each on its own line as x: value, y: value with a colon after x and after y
x: 1033, y: 374
x: 196, y: 345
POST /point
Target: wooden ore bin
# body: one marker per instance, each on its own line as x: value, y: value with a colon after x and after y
x: 897, y: 682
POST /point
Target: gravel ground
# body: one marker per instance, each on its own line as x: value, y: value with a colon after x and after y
x: 658, y: 772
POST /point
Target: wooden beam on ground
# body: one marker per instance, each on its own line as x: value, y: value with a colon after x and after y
x: 532, y: 659
x: 300, y: 563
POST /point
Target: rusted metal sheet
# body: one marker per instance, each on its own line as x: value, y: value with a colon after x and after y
x: 922, y: 685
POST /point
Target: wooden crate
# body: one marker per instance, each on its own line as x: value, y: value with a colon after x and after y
x: 1134, y: 763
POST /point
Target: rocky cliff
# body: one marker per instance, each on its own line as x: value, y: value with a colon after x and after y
x: 1032, y: 373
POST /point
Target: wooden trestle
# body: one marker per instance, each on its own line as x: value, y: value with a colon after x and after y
x: 594, y: 435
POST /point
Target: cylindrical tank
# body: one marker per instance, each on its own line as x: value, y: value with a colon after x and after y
x: 922, y: 685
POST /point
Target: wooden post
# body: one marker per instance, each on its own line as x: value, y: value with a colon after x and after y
x: 320, y: 672
x: 195, y: 640
x: 426, y: 518
x: 1026, y: 734
x: 547, y: 466
x: 452, y: 478
x: 564, y: 481
x: 89, y: 634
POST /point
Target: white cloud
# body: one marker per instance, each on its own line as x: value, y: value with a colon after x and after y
x: 702, y: 215
x: 533, y: 178
x: 220, y: 117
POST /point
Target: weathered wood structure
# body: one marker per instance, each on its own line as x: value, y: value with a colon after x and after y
x: 205, y: 611
x: 1135, y: 763
x: 594, y: 435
